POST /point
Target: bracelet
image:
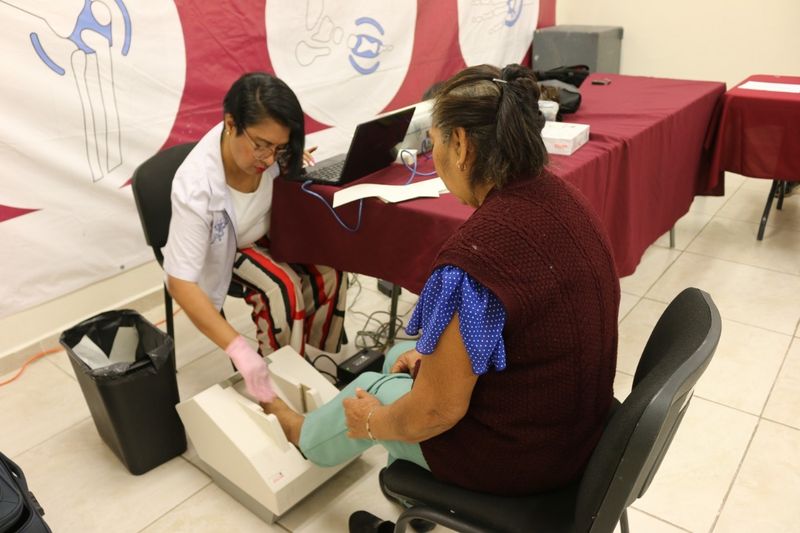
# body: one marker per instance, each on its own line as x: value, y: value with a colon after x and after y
x: 368, y: 429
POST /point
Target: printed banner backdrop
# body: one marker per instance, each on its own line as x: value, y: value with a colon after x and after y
x: 94, y: 87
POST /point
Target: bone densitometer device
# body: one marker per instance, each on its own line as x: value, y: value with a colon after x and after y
x: 244, y: 450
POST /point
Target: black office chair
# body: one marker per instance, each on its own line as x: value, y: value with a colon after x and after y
x: 152, y: 186
x: 633, y: 444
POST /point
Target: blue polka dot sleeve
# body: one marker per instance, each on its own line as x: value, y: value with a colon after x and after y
x: 481, y: 317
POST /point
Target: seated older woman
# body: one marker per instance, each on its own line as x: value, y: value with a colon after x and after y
x: 508, y: 388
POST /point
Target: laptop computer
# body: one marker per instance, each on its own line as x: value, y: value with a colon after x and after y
x: 371, y: 149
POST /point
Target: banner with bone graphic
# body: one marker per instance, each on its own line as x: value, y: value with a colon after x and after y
x: 94, y: 87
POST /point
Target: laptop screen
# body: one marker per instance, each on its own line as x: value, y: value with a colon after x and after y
x: 372, y: 146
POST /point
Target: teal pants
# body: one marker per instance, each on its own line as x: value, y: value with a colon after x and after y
x: 323, y: 437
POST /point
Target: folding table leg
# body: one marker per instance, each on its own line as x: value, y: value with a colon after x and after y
x: 393, y: 315
x: 764, y: 217
x: 783, y: 185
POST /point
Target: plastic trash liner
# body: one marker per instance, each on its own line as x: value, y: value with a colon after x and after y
x: 132, y: 397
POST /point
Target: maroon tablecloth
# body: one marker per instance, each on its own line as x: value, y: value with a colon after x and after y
x: 643, y: 164
x: 759, y: 132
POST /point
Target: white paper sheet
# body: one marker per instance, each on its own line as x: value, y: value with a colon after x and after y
x: 431, y: 188
x: 90, y: 353
x: 771, y: 86
x: 124, y: 348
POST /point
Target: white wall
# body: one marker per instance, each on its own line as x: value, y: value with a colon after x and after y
x: 33, y: 330
x: 717, y: 40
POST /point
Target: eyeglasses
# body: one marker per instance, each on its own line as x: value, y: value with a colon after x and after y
x: 262, y: 151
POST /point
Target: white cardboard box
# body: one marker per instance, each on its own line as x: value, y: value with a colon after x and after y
x: 563, y: 138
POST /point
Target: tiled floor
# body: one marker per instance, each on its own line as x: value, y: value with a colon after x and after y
x: 734, y: 464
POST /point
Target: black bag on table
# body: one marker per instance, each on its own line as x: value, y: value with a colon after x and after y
x: 561, y: 84
x: 568, y: 96
x: 19, y: 510
x: 574, y: 74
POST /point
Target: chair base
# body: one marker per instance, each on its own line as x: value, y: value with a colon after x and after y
x: 410, y: 485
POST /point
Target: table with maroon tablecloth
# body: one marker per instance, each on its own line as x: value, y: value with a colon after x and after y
x: 759, y: 132
x: 643, y: 164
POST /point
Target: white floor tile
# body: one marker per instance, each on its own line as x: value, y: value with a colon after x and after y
x: 354, y: 488
x: 626, y: 303
x: 655, y: 261
x: 744, y: 367
x: 689, y: 488
x: 634, y: 331
x: 709, y: 205
x: 734, y: 182
x: 744, y: 293
x: 84, y: 487
x: 61, y: 360
x: 758, y: 184
x: 742, y: 371
x: 42, y: 402
x: 210, y: 510
x: 736, y: 241
x: 622, y: 385
x: 640, y: 522
x: 686, y: 229
x: 766, y: 491
x: 190, y: 344
x: 784, y: 401
x: 747, y: 205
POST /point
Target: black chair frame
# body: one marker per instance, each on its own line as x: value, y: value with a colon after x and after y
x: 620, y: 470
x: 152, y: 186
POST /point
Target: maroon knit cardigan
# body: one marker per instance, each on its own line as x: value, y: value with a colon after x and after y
x: 538, y: 246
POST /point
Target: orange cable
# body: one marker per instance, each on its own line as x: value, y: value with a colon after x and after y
x: 29, y: 361
x: 55, y: 350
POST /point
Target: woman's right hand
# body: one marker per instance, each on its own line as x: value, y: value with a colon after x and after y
x: 308, y: 159
x: 253, y: 369
x: 406, y: 362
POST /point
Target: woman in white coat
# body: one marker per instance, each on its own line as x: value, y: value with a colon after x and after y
x: 219, y: 230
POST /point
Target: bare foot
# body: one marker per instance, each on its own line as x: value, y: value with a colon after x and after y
x: 291, y: 421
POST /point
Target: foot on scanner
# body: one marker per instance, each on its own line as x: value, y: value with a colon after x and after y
x: 244, y: 449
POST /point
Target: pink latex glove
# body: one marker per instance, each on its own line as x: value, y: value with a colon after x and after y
x: 252, y: 368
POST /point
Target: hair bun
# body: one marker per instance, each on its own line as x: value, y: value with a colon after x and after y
x: 514, y: 71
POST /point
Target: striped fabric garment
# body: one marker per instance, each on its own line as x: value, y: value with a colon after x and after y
x: 292, y: 304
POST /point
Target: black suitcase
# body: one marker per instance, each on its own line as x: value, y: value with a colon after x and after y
x: 19, y: 510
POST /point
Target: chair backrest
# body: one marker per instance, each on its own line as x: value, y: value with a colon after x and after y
x: 641, y: 429
x: 152, y: 185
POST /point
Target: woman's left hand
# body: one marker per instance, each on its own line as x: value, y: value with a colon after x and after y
x: 356, y: 411
x: 308, y: 159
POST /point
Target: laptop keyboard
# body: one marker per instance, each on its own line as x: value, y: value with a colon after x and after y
x: 327, y: 174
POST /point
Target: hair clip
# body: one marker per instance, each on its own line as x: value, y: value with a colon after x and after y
x: 498, y: 80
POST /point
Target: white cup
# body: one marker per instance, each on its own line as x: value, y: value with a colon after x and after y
x: 549, y: 109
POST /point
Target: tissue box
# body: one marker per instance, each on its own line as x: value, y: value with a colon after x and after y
x: 563, y: 138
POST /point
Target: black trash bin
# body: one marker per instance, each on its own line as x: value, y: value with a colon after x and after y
x: 132, y: 403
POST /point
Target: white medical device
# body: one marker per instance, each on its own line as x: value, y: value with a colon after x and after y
x: 417, y: 135
x: 244, y: 450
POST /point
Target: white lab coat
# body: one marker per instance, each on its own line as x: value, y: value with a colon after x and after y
x: 202, y: 233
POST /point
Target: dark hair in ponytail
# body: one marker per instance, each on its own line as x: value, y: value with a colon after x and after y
x: 499, y: 110
x: 259, y: 95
